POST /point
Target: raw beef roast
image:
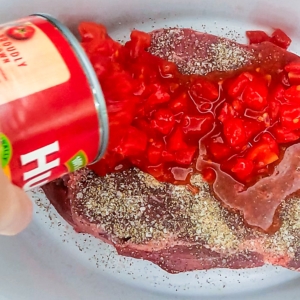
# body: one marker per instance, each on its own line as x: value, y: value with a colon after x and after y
x: 182, y: 228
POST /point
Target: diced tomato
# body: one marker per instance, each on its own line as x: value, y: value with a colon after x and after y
x: 242, y: 168
x: 238, y: 85
x: 90, y: 31
x: 284, y: 135
x: 273, y: 145
x: 173, y: 87
x: 163, y: 121
x: 294, y: 78
x: 167, y: 69
x: 263, y: 153
x: 252, y: 128
x: 220, y: 151
x: 234, y: 132
x: 133, y: 143
x: 227, y: 112
x: 197, y: 125
x: 140, y: 70
x: 284, y: 78
x: 293, y: 67
x: 290, y: 116
x: 202, y: 90
x: 179, y: 104
x: 257, y: 36
x: 139, y: 42
x: 238, y: 107
x: 275, y: 100
x: 274, y: 110
x: 292, y: 95
x: 280, y: 39
x: 293, y: 70
x: 118, y: 114
x: 185, y: 157
x: 255, y: 95
x: 119, y: 83
x: 209, y: 175
x: 176, y: 140
x: 92, y: 34
x: 278, y: 93
x: 143, y: 125
x: 158, y: 96
x: 143, y: 38
x: 168, y: 156
x: 138, y: 87
x: 154, y: 152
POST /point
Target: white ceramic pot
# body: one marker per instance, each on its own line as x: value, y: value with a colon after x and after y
x: 49, y: 261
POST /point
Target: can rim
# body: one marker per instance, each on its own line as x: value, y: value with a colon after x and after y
x: 93, y: 82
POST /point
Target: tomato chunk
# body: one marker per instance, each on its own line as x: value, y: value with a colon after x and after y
x: 255, y: 95
x: 185, y: 157
x: 176, y: 140
x: 257, y: 36
x: 227, y: 112
x: 293, y: 70
x: 133, y: 142
x: 242, y: 168
x: 264, y: 152
x: 209, y: 175
x: 197, y: 125
x: 284, y: 135
x: 220, y: 151
x: 167, y: 69
x: 92, y: 35
x: 234, y: 132
x: 139, y: 42
x: 238, y: 85
x: 292, y: 95
x: 158, y: 96
x: 280, y: 39
x: 290, y: 116
x: 154, y: 152
x: 202, y: 90
x: 179, y: 104
x: 163, y: 121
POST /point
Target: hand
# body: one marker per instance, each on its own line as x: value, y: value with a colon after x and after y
x: 15, y: 207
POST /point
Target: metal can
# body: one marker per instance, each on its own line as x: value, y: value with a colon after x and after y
x: 53, y: 117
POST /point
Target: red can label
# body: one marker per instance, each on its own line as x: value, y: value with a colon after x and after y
x: 48, y: 120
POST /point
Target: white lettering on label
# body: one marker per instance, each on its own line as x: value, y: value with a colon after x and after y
x: 37, y: 181
x: 40, y: 156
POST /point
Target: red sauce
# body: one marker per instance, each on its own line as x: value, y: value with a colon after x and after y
x: 233, y: 128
